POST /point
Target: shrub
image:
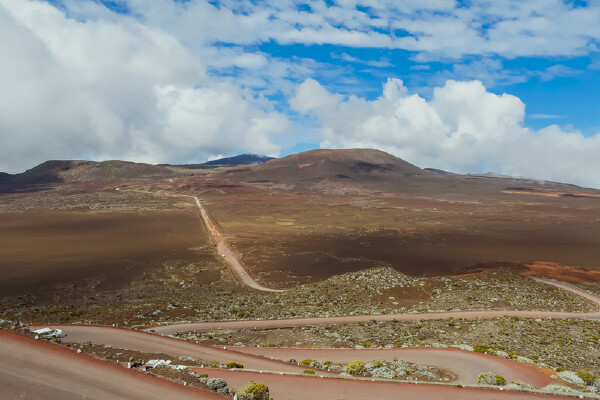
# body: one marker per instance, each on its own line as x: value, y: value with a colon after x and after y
x: 234, y: 365
x: 487, y: 378
x: 587, y: 377
x: 253, y: 391
x: 309, y: 371
x: 484, y: 348
x: 356, y: 368
x: 307, y: 362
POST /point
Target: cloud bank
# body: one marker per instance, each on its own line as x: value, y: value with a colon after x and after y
x: 463, y: 128
x: 115, y: 88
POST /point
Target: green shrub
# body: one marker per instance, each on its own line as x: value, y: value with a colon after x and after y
x: 253, y: 391
x: 587, y: 377
x: 307, y: 362
x: 309, y: 371
x: 202, y: 375
x: 356, y: 368
x: 484, y: 348
x: 234, y: 365
x: 500, y: 380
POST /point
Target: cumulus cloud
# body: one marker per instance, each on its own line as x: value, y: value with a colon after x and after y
x: 116, y: 88
x: 462, y: 128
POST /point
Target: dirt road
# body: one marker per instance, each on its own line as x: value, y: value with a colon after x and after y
x: 32, y: 369
x: 146, y: 342
x: 299, y: 322
x: 464, y: 365
x: 290, y: 387
x: 229, y: 256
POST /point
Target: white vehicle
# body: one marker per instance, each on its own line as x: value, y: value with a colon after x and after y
x: 243, y: 273
x: 49, y: 332
x: 223, y: 255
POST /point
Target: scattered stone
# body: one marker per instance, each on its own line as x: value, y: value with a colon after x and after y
x: 571, y: 377
x: 217, y: 384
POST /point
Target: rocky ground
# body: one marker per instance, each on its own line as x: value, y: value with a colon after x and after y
x: 374, y: 291
x: 560, y: 344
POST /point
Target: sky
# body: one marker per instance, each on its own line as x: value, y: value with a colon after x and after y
x: 511, y: 87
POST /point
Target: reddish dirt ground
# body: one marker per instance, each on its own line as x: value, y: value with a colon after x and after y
x: 544, y: 269
x: 464, y: 365
x: 39, y: 370
x: 310, y: 388
x: 50, y: 249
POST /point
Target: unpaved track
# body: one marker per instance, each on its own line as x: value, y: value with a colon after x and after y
x: 146, y: 342
x: 230, y: 257
x: 299, y: 322
x: 464, y: 365
x: 289, y: 387
x: 31, y: 369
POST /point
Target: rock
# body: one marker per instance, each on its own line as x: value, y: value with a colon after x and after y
x: 554, y: 388
x: 488, y: 378
x: 383, y: 372
x: 596, y: 385
x: 399, y: 365
x: 427, y: 375
x: 502, y: 354
x: 217, y: 384
x: 519, y: 386
x: 462, y: 347
x: 571, y: 377
x: 359, y: 347
x: 345, y: 375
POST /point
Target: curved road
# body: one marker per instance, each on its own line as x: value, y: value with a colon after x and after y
x: 230, y: 257
x: 299, y: 322
x: 464, y: 365
x: 291, y: 387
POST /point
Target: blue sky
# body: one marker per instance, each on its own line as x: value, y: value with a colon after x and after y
x: 468, y: 86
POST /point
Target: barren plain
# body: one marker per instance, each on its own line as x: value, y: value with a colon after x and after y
x: 345, y: 233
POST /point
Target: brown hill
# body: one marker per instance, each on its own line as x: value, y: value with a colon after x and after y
x: 58, y: 171
x: 365, y: 167
x: 342, y: 169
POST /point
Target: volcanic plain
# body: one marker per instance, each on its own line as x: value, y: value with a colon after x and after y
x: 341, y: 232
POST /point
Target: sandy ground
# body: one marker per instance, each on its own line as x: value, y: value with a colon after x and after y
x: 39, y: 370
x: 310, y: 388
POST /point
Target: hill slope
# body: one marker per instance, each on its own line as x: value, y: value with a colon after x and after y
x: 58, y: 171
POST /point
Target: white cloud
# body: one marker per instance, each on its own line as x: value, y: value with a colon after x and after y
x: 433, y: 29
x: 116, y: 88
x: 463, y: 128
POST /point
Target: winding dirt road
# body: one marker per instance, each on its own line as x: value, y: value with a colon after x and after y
x: 291, y: 387
x: 229, y: 256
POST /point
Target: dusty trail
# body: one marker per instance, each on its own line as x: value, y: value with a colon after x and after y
x: 290, y: 387
x: 230, y: 257
x: 464, y: 365
x: 146, y: 342
x: 299, y: 322
x: 34, y: 369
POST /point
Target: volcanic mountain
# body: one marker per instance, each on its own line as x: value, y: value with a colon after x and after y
x: 377, y: 171
x: 357, y: 165
x: 59, y: 171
